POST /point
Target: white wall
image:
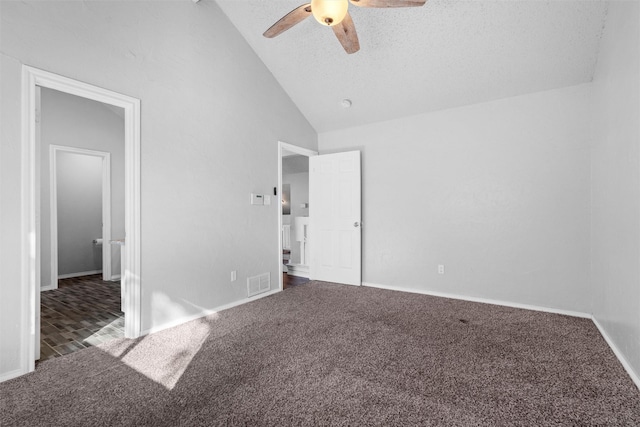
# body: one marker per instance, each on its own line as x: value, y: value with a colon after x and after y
x: 299, y: 183
x: 615, y: 228
x: 72, y: 121
x: 497, y: 192
x: 11, y: 296
x: 211, y: 118
x: 79, y: 191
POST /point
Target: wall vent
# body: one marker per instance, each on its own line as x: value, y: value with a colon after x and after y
x: 259, y: 284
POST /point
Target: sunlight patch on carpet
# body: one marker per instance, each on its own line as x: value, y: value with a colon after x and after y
x: 162, y: 357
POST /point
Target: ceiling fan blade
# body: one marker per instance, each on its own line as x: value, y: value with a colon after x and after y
x: 289, y: 20
x: 388, y: 3
x: 346, y: 34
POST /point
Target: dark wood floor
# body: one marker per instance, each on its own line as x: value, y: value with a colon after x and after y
x: 82, y: 312
x: 289, y: 281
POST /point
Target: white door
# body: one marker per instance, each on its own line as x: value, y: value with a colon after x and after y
x: 334, y: 211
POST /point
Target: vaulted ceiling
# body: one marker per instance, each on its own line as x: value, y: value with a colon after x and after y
x: 445, y: 54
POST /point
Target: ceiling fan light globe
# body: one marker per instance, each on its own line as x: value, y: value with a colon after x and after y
x: 329, y: 12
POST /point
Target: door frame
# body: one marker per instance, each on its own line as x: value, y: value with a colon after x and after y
x: 298, y: 150
x: 32, y: 78
x: 106, y: 207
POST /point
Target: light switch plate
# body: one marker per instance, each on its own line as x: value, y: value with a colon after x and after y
x: 257, y: 199
x: 267, y: 199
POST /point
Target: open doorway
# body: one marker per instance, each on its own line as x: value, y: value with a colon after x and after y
x: 295, y: 240
x: 80, y: 213
x: 34, y: 81
x: 333, y: 235
x: 82, y: 201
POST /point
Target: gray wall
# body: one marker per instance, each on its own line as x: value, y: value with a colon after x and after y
x: 72, y: 121
x: 79, y: 191
x: 299, y: 183
x: 497, y: 192
x: 200, y: 84
x: 615, y: 231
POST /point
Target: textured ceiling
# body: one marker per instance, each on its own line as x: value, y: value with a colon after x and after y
x: 445, y: 54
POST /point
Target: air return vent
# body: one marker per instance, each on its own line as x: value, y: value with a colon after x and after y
x: 258, y: 284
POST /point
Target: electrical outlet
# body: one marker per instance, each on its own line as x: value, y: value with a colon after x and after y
x: 440, y: 269
x: 234, y: 275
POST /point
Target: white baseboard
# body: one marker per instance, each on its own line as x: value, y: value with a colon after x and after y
x: 114, y: 278
x: 634, y: 376
x: 10, y: 375
x: 302, y: 267
x: 80, y: 274
x: 482, y: 300
x: 298, y: 270
x: 204, y: 313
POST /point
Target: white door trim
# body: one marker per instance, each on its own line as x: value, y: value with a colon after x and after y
x: 298, y: 150
x: 30, y: 206
x: 106, y: 207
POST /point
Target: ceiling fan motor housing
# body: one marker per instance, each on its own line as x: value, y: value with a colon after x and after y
x: 329, y: 12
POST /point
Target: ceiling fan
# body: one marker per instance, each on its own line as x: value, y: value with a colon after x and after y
x: 335, y: 14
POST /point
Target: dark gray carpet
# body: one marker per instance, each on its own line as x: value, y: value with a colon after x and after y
x: 325, y: 354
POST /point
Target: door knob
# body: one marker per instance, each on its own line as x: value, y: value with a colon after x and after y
x: 356, y: 224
